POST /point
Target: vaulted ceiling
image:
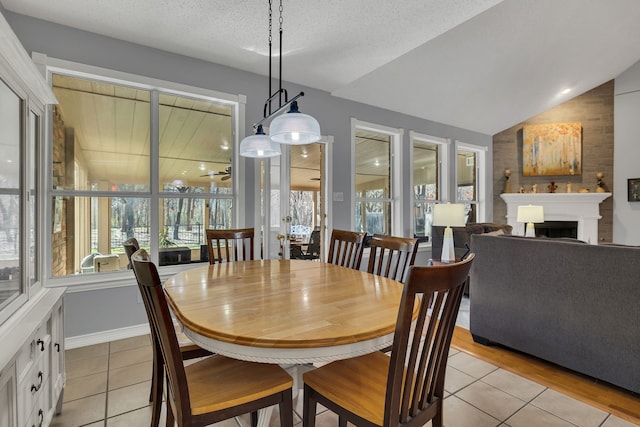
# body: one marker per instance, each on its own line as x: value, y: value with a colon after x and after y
x: 483, y: 65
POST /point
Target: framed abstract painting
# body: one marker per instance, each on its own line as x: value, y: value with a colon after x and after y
x: 552, y: 149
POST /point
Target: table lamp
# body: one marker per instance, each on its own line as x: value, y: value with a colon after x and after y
x: 530, y: 215
x: 448, y: 215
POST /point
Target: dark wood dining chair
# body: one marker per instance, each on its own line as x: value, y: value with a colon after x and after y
x: 215, y: 388
x: 188, y: 349
x: 230, y: 245
x: 313, y: 248
x: 407, y: 387
x: 392, y: 256
x: 346, y: 248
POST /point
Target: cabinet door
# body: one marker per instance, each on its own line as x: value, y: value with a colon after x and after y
x: 7, y: 396
x: 57, y: 356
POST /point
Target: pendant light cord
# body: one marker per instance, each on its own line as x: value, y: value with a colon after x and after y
x: 280, y: 64
x: 270, y: 44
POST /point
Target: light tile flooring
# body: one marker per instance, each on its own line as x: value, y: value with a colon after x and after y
x: 108, y: 385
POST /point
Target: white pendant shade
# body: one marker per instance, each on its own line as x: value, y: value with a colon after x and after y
x: 295, y: 129
x: 259, y: 146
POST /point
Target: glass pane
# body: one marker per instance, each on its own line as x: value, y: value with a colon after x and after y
x: 10, y: 283
x: 100, y: 136
x: 88, y: 232
x: 423, y: 218
x: 467, y: 182
x: 9, y: 138
x: 373, y: 217
x: 466, y: 179
x: 183, y: 222
x: 10, y: 212
x: 425, y: 187
x: 373, y: 165
x: 34, y: 145
x: 196, y: 145
x: 306, y: 175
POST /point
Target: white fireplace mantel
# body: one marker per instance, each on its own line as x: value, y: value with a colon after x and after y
x: 581, y: 207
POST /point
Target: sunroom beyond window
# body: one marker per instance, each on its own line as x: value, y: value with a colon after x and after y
x: 103, y: 190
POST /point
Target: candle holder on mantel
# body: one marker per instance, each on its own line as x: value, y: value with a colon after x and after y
x: 552, y: 187
x: 507, y: 183
x: 601, y: 187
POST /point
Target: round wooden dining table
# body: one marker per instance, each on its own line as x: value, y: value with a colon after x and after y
x: 285, y: 311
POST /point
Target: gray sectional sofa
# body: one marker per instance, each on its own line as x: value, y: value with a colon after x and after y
x: 564, y: 301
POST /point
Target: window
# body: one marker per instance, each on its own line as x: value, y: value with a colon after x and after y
x: 376, y: 161
x: 429, y: 171
x: 131, y: 160
x: 470, y: 184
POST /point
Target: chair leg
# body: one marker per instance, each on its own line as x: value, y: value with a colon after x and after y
x: 308, y: 408
x: 254, y: 419
x: 342, y: 422
x: 286, y: 409
x: 437, y: 420
x: 153, y: 380
x: 157, y: 385
x: 171, y: 421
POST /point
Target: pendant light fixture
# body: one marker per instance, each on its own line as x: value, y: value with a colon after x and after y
x: 292, y: 127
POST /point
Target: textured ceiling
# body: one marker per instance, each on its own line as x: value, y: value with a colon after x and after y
x: 482, y: 65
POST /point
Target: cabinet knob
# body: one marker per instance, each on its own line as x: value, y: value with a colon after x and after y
x: 57, y: 346
x: 41, y: 344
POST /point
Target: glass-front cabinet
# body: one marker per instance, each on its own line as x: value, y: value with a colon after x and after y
x: 20, y: 137
x: 12, y: 287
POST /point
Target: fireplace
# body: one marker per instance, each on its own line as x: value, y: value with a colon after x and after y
x: 557, y: 229
x: 581, y: 208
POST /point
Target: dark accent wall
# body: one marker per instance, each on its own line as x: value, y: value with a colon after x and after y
x: 594, y: 109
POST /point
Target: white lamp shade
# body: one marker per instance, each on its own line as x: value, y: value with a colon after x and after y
x: 448, y: 215
x: 295, y: 129
x: 259, y: 146
x: 534, y: 214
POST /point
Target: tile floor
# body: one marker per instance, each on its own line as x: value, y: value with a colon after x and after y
x: 108, y: 385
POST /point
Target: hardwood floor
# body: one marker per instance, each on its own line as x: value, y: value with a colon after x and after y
x: 619, y: 402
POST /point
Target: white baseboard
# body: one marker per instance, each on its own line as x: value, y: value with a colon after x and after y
x: 106, y: 336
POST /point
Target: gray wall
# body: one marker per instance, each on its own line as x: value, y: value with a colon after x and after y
x: 84, y: 309
x: 626, y: 215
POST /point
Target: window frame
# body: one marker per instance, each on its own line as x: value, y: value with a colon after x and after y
x: 480, y: 175
x: 395, y: 185
x: 156, y: 87
x: 442, y: 177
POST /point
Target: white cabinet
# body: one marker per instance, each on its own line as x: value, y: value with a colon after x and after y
x: 8, y: 396
x: 57, y: 354
x: 32, y: 361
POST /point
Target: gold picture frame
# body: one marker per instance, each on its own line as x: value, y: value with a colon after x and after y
x: 552, y: 149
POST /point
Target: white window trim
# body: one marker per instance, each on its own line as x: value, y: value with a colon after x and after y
x: 443, y: 168
x: 155, y: 86
x: 481, y: 177
x: 397, y: 196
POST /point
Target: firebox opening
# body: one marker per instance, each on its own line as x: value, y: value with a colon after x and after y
x: 557, y: 229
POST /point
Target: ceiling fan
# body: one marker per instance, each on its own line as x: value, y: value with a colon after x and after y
x: 226, y: 174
